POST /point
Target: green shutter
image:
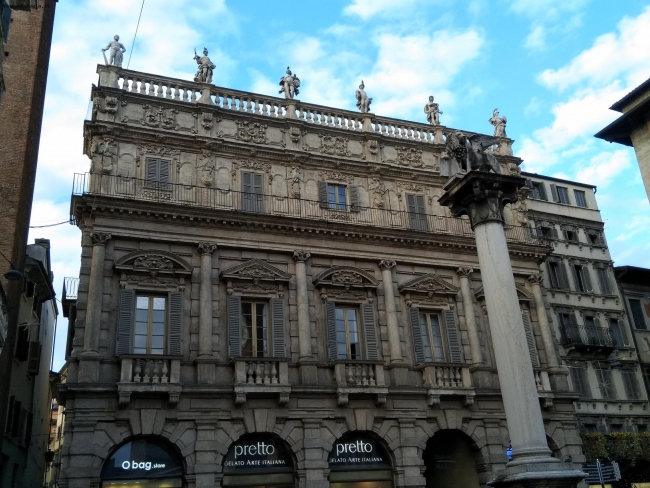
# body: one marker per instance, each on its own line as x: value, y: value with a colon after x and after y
x: 277, y: 319
x: 163, y: 175
x: 125, y: 322
x: 175, y: 336
x: 542, y: 191
x: 554, y: 193
x: 530, y: 339
x: 322, y: 194
x: 453, y: 336
x: 416, y: 327
x: 355, y: 203
x: 234, y: 326
x: 330, y: 318
x: 370, y: 331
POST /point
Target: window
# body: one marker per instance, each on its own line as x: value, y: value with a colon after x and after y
x: 581, y: 199
x: 578, y: 373
x: 603, y: 281
x: 149, y: 324
x: 351, y: 331
x: 592, y: 326
x: 22, y: 343
x: 589, y: 428
x: 642, y: 428
x: 619, y: 333
x: 638, y: 317
x: 538, y: 191
x: 417, y: 212
x: 570, y: 234
x: 569, y: 328
x: 336, y: 197
x: 605, y: 383
x: 157, y: 174
x: 557, y: 274
x: 435, y: 336
x: 432, y: 338
x: 348, y: 341
x: 631, y: 384
x: 560, y: 194
x: 5, y: 20
x: 252, y: 192
x: 581, y: 278
x: 546, y: 229
x: 595, y: 237
x: 149, y: 330
x: 255, y: 333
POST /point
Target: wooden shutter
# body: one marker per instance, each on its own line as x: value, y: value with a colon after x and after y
x: 542, y: 191
x: 258, y: 192
x: 630, y: 384
x: 247, y: 192
x: 370, y: 331
x: 163, y: 175
x: 277, y: 319
x: 551, y: 226
x: 603, y: 281
x: 355, y: 202
x: 414, y: 315
x: 417, y: 212
x: 125, y: 322
x: 234, y: 326
x: 530, y: 339
x: 587, y: 277
x: 175, y: 336
x: 330, y: 318
x: 553, y: 278
x: 563, y: 276
x: 453, y: 336
x: 322, y: 194
x: 574, y: 274
x: 151, y: 173
x: 34, y: 357
x: 623, y: 331
x: 554, y: 193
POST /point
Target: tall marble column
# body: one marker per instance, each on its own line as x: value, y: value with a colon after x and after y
x: 470, y: 316
x: 302, y: 298
x: 205, y: 299
x: 535, y: 281
x: 391, y: 313
x: 482, y: 196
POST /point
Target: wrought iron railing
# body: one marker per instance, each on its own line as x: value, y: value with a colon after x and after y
x: 280, y: 206
x: 70, y: 286
x: 581, y: 335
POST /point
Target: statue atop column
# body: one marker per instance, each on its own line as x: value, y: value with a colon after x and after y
x: 117, y: 51
x: 499, y: 124
x: 290, y: 84
x: 470, y: 152
x: 433, y: 112
x: 363, y: 101
x: 206, y: 67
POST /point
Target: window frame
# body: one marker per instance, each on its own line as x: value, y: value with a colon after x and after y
x: 337, y: 205
x: 604, y: 376
x: 432, y: 357
x: 631, y: 384
x: 563, y: 191
x: 417, y: 220
x: 150, y: 324
x: 583, y: 389
x: 266, y: 329
x: 644, y: 326
x: 538, y: 191
x: 346, y: 308
x: 580, y: 197
x: 157, y: 183
x: 252, y: 201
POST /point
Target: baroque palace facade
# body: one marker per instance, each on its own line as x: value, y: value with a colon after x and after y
x: 270, y: 294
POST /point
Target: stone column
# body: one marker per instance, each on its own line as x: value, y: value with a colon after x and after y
x: 482, y: 196
x: 547, y: 334
x: 302, y: 299
x: 95, y: 292
x: 470, y: 316
x: 391, y: 314
x: 205, y: 299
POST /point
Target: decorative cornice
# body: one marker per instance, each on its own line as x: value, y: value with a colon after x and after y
x: 536, y: 279
x: 346, y: 276
x: 429, y: 284
x: 464, y: 272
x: 387, y: 264
x: 100, y: 238
x: 158, y: 262
x: 301, y: 255
x: 207, y: 247
x: 256, y: 270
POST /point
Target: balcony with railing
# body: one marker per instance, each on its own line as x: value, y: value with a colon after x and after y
x: 261, y: 377
x: 149, y: 374
x: 233, y: 203
x: 588, y: 338
x: 69, y: 295
x: 447, y: 379
x: 360, y: 377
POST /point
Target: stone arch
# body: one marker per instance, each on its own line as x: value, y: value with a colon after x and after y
x: 462, y: 449
x: 388, y: 446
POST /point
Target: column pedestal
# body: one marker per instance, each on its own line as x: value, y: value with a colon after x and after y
x: 482, y: 196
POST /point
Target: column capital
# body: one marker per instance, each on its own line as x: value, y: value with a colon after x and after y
x: 464, y: 272
x: 481, y: 196
x: 207, y: 247
x: 536, y: 278
x: 100, y: 238
x: 301, y: 255
x: 387, y: 264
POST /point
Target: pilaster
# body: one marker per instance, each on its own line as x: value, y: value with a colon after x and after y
x: 470, y: 316
x: 206, y: 367
x: 386, y: 265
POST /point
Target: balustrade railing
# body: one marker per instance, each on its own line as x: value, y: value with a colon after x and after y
x: 446, y: 376
x: 150, y: 369
x: 281, y: 206
x: 261, y: 371
x: 582, y: 335
x: 359, y: 374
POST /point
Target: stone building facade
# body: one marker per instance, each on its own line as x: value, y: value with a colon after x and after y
x: 270, y: 294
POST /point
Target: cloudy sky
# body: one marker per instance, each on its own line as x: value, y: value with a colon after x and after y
x: 552, y: 67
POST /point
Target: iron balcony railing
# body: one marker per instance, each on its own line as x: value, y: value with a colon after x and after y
x: 280, y: 206
x: 585, y: 336
x: 70, y: 286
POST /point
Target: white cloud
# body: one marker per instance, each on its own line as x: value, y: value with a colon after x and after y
x: 536, y: 39
x: 369, y: 8
x: 604, y: 167
x: 547, y: 10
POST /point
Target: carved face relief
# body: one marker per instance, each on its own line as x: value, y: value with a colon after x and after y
x: 152, y: 262
x: 346, y: 277
x: 409, y: 157
x: 248, y: 132
x: 337, y: 146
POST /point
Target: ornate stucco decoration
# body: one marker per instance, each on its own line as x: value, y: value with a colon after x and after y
x: 373, y: 146
x: 295, y: 134
x: 144, y: 150
x: 410, y: 187
x: 523, y: 295
x: 160, y: 118
x: 335, y: 176
x: 153, y: 269
x: 409, y: 157
x: 346, y: 283
x: 251, y: 132
x: 208, y: 119
x: 379, y: 190
x: 206, y: 162
x: 251, y: 164
x: 108, y: 107
x: 104, y: 154
x: 255, y: 277
x: 336, y: 146
x: 294, y: 178
x: 429, y: 289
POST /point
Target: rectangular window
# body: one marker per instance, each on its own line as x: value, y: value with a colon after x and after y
x: 605, y: 383
x: 638, y: 316
x: 571, y: 234
x: 592, y: 330
x: 255, y: 330
x: 589, y: 428
x: 631, y: 384
x: 432, y: 339
x: 595, y: 237
x: 252, y: 192
x: 581, y: 199
x: 157, y: 174
x: 538, y: 191
x: 619, y: 334
x: 149, y: 330
x: 578, y: 373
x: 417, y: 212
x: 603, y: 281
x: 336, y: 197
x: 546, y: 230
x: 581, y: 278
x: 22, y: 343
x: 348, y: 340
x: 562, y: 195
x: 616, y: 427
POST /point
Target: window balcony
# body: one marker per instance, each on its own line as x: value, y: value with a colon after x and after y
x: 359, y: 377
x: 448, y: 379
x: 261, y: 377
x: 588, y: 338
x: 151, y: 374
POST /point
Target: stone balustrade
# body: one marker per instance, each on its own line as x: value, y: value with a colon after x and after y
x: 412, y: 131
x: 261, y: 376
x: 149, y: 373
x: 360, y: 377
x: 445, y: 379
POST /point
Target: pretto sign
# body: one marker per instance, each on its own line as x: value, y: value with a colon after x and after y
x: 358, y: 451
x: 148, y: 458
x: 257, y: 453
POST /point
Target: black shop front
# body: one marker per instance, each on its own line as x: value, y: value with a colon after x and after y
x: 358, y: 460
x: 259, y: 461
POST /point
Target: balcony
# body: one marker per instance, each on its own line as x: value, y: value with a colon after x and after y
x: 261, y: 377
x: 232, y: 202
x: 69, y: 296
x: 360, y: 378
x: 588, y: 338
x: 447, y: 380
x: 150, y: 374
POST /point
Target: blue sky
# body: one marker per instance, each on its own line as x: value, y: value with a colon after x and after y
x: 552, y: 67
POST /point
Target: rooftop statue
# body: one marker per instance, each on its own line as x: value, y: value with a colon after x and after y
x: 290, y: 84
x: 433, y: 112
x: 117, y: 51
x: 363, y: 101
x: 499, y: 124
x: 470, y: 152
x: 206, y: 67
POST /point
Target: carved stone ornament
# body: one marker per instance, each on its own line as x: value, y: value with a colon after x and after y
x: 536, y: 279
x: 387, y: 264
x: 410, y: 187
x: 523, y: 295
x: 104, y: 152
x: 464, y: 272
x: 336, y: 146
x: 251, y: 132
x: 335, y: 176
x: 295, y: 133
x: 207, y: 247
x: 409, y: 157
x: 373, y: 147
x: 154, y: 262
x: 346, y: 277
x: 159, y: 117
x: 378, y: 190
x: 301, y: 255
x: 429, y: 284
x: 294, y: 179
x: 109, y: 106
x: 144, y: 150
x: 207, y: 119
x: 100, y: 238
x: 250, y: 164
x: 255, y: 269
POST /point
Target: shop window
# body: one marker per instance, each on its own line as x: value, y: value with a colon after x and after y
x: 450, y: 461
x: 581, y: 199
x: 351, y: 332
x: 357, y: 460
x: 252, y: 192
x: 417, y: 212
x: 255, y: 328
x: 436, y: 337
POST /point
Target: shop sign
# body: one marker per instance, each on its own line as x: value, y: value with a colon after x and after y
x: 257, y: 453
x: 358, y: 451
x: 143, y: 458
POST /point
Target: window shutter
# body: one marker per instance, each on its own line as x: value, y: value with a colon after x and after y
x: 175, y: 336
x: 553, y: 277
x: 34, y: 357
x: 258, y: 183
x: 247, y: 182
x: 15, y: 420
x: 637, y: 313
x: 587, y: 278
x: 414, y: 314
x: 322, y: 194
x: 578, y: 379
x: 572, y: 319
x: 574, y: 274
x: 603, y: 280
x: 125, y: 322
x: 10, y: 414
x: 554, y: 193
x: 453, y: 336
x: 151, y: 173
x: 355, y: 203
x: 542, y: 191
x: 277, y: 318
x: 163, y: 175
x: 563, y: 277
x: 234, y: 327
x: 630, y: 384
x: 623, y: 331
x: 330, y: 317
x: 530, y: 339
x: 370, y: 332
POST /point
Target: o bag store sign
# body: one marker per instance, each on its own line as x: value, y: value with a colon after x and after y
x: 258, y: 453
x: 358, y: 450
x: 147, y: 458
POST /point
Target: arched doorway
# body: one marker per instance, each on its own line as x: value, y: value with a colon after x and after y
x: 258, y: 461
x: 358, y: 460
x: 450, y: 461
x: 144, y: 462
